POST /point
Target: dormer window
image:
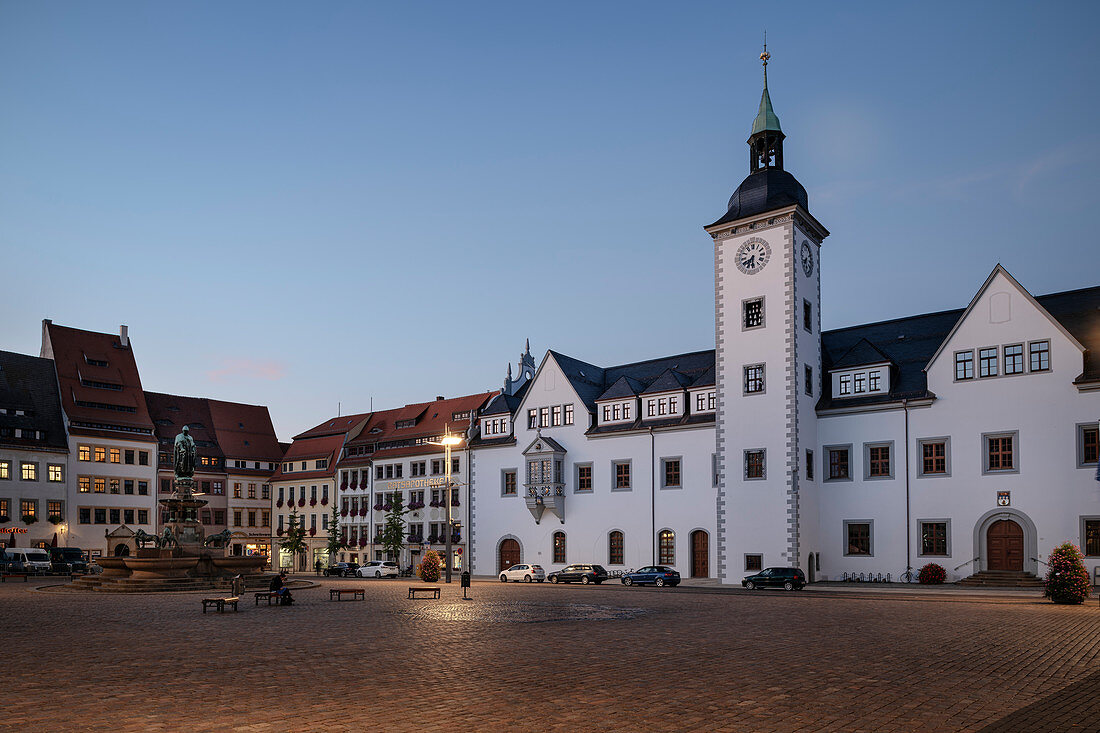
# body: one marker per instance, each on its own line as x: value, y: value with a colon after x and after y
x: 846, y: 385
x: 402, y: 424
x: 874, y: 380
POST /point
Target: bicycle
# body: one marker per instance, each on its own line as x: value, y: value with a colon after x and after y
x: 909, y: 576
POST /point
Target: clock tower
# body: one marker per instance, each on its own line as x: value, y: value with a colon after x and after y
x: 767, y: 294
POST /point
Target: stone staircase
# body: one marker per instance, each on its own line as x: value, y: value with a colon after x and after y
x: 1001, y: 579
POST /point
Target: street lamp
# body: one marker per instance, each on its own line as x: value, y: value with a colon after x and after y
x: 448, y: 442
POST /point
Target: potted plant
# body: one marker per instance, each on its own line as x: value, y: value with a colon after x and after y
x: 432, y: 538
x: 363, y: 510
x: 456, y: 538
x: 362, y: 542
x: 324, y: 501
x: 387, y: 507
x: 29, y: 519
x: 428, y: 570
x: 4, y: 519
x: 54, y: 519
x: 312, y: 531
x: 344, y: 486
x: 434, y: 503
x: 378, y: 507
x: 344, y: 512
x: 454, y: 502
x: 1067, y: 580
x: 302, y: 501
x: 279, y: 504
x: 932, y: 574
x: 313, y: 501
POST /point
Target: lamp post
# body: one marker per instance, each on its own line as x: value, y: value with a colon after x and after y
x: 448, y: 442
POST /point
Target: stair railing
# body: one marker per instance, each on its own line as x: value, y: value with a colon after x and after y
x: 968, y: 562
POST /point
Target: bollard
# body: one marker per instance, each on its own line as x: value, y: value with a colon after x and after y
x: 465, y: 585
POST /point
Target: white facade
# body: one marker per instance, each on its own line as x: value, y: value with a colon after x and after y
x: 112, y: 484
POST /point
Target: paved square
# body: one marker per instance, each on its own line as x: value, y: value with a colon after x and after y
x: 538, y: 657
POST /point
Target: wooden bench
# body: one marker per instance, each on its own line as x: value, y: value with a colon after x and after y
x: 336, y: 594
x: 270, y: 595
x: 5, y: 576
x: 414, y: 590
x: 220, y: 603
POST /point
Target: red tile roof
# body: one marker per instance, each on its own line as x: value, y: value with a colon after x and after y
x: 245, y: 431
x: 171, y: 412
x: 343, y: 425
x: 311, y: 449
x: 79, y: 355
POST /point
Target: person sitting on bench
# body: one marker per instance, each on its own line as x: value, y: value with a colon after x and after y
x: 278, y: 586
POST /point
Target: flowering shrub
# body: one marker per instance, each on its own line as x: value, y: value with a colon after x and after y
x: 378, y: 507
x: 302, y: 501
x: 387, y: 507
x: 312, y: 531
x: 324, y: 501
x: 363, y: 511
x: 313, y: 501
x: 428, y: 570
x: 1067, y: 580
x: 54, y: 519
x: 29, y: 518
x: 279, y: 503
x: 932, y: 574
x: 344, y: 512
x: 362, y: 541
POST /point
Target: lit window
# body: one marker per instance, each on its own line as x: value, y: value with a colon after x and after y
x: 672, y: 473
x: 754, y: 378
x: 666, y: 547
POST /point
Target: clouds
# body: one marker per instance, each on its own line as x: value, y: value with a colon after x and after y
x: 244, y: 368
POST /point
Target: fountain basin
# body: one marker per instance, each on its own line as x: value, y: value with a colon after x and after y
x: 113, y: 567
x: 242, y: 565
x: 165, y: 567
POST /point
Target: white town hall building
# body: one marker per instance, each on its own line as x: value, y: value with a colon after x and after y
x: 967, y: 438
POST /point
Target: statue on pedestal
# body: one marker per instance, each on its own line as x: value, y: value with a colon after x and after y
x: 183, y: 455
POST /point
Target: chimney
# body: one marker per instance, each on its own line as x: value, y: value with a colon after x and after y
x: 438, y: 397
x: 123, y: 336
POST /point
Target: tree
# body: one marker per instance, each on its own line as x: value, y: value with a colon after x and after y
x: 335, y: 541
x: 393, y: 531
x: 428, y: 571
x: 1067, y: 579
x: 295, y: 542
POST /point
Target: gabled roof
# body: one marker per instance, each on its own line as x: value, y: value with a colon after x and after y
x: 553, y: 445
x: 591, y: 382
x: 245, y: 431
x: 669, y: 381
x: 311, y: 449
x: 624, y: 386
x: 506, y: 403
x: 862, y: 354
x: 171, y: 412
x: 342, y: 425
x: 706, y: 379
x: 29, y: 384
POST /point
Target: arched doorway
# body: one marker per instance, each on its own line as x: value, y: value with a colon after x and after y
x: 1004, y: 541
x: 509, y: 554
x: 700, y: 554
x: 122, y: 550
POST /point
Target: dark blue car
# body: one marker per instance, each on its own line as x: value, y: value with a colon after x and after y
x: 658, y: 575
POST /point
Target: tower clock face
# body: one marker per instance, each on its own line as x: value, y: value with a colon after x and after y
x: 807, y: 259
x: 753, y: 255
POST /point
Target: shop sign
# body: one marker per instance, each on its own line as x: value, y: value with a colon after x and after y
x: 14, y: 530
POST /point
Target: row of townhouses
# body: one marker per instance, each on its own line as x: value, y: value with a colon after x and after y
x: 968, y: 437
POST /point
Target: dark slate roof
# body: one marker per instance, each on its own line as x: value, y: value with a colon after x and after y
x: 864, y: 352
x: 764, y: 191
x: 549, y: 442
x: 909, y: 343
x: 707, y: 379
x: 624, y: 387
x: 669, y: 381
x: 591, y: 381
x: 506, y: 404
x: 29, y: 383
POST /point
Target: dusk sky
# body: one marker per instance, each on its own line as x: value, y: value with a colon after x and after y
x: 306, y: 204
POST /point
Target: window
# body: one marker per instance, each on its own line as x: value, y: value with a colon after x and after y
x: 621, y: 470
x: 807, y: 316
x: 127, y: 516
x: 874, y: 380
x: 666, y: 547
x: 28, y: 471
x: 252, y: 518
x: 1090, y: 536
x: 569, y: 414
x: 933, y: 453
x: 671, y: 473
x: 860, y: 382
x: 454, y: 465
x: 129, y: 457
x: 55, y: 472
x: 1040, y: 356
x: 143, y: 488
x: 753, y: 563
x: 838, y: 462
x: 1088, y: 445
x: 100, y: 485
x: 84, y: 452
x: 28, y: 508
x: 265, y: 518
x: 555, y: 415
x: 55, y: 509
x: 700, y: 401
x: 559, y: 547
x: 219, y: 489
x: 964, y: 365
x: 265, y: 490
x: 100, y: 455
x: 116, y: 455
x: 877, y: 460
x: 846, y: 384
x: 987, y: 362
x: 143, y: 516
x: 711, y: 397
x: 128, y: 486
x: 584, y: 477
x: 615, y: 548
x: 754, y: 379
x: 933, y: 538
x: 858, y: 536
x: 84, y: 484
x: 1014, y: 359
x: 84, y: 515
x: 116, y: 485
x: 808, y: 378
x: 544, y: 417
x: 754, y: 464
x: 237, y: 514
x: 437, y: 467
x: 508, y: 483
x: 532, y: 419
x: 753, y: 313
x: 252, y: 491
x: 116, y: 516
x: 809, y: 465
x: 101, y: 516
x: 219, y: 517
x: 651, y: 408
x: 1000, y: 450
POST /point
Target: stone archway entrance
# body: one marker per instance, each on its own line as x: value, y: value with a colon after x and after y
x: 700, y: 554
x: 509, y: 554
x: 1005, y: 545
x: 122, y: 550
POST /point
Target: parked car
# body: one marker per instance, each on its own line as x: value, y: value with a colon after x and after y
x: 378, y: 569
x: 579, y: 573
x: 658, y: 575
x: 27, y: 560
x: 68, y: 560
x: 785, y: 578
x: 342, y: 569
x: 526, y: 573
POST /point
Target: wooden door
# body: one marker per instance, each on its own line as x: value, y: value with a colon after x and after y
x: 700, y: 554
x: 1005, y: 545
x: 509, y: 554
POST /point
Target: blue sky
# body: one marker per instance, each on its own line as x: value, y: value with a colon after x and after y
x: 306, y: 204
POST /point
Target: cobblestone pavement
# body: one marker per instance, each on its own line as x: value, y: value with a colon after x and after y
x: 541, y: 657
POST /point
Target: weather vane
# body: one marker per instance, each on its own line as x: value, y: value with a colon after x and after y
x: 765, y: 55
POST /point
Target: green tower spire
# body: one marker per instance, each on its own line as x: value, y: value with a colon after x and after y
x: 765, y: 118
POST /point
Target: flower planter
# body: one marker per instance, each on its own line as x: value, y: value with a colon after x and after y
x: 324, y: 502
x: 313, y: 502
x: 54, y: 519
x: 344, y: 513
x: 312, y: 531
x: 386, y: 507
x: 344, y: 486
x: 279, y: 504
x: 377, y: 507
x: 29, y: 519
x: 302, y: 502
x: 4, y: 519
x: 363, y: 512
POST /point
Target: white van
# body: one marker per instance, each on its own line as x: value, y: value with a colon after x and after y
x: 27, y: 559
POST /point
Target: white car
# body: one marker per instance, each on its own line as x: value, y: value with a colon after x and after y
x: 523, y: 572
x: 378, y: 569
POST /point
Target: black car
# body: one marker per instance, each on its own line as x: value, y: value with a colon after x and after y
x: 658, y: 575
x: 342, y: 569
x: 785, y: 578
x: 579, y: 574
x: 68, y: 560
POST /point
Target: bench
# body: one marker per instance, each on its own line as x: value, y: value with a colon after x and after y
x: 336, y: 594
x: 219, y: 603
x: 5, y: 576
x: 414, y: 590
x: 270, y: 595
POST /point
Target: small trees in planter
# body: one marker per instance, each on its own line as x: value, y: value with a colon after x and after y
x: 932, y: 574
x: 428, y: 570
x: 1067, y: 580
x: 29, y: 518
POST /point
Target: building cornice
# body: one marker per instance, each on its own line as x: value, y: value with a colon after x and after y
x: 769, y: 219
x: 878, y: 407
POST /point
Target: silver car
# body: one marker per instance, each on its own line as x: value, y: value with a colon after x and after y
x: 378, y: 569
x: 523, y: 572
